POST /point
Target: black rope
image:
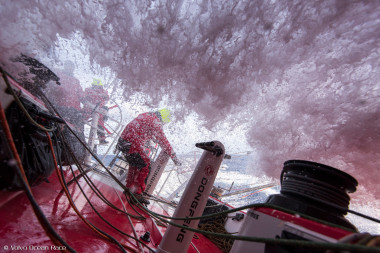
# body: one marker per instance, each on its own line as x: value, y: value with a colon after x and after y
x: 69, y: 196
x: 37, y: 209
x: 21, y: 105
x: 91, y: 184
x: 277, y: 241
x: 88, y: 180
x: 85, y: 145
x: 100, y: 216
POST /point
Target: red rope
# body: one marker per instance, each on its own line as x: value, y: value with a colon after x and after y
x: 256, y: 192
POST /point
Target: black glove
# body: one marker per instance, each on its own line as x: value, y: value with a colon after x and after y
x: 123, y: 145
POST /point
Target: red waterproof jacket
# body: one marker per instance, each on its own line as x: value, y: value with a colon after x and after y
x: 145, y: 127
x: 96, y: 96
x: 69, y: 93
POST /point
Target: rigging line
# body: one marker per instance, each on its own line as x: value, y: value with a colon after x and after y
x: 109, y: 126
x: 284, y: 242
x: 112, y: 205
x: 212, y: 206
x: 75, y: 178
x: 20, y: 104
x: 105, y: 200
x: 179, y: 180
x: 131, y: 204
x: 195, y: 248
x: 91, y: 183
x: 98, y: 160
x: 120, y: 231
x: 100, y: 216
x: 163, y: 207
x: 256, y: 192
x: 132, y: 198
x: 106, y: 169
x: 44, y: 222
x: 79, y: 176
x: 242, y: 208
x: 247, y: 189
x: 279, y: 208
x: 64, y: 186
x: 62, y: 181
x: 130, y: 221
x: 84, y: 145
x: 157, y: 199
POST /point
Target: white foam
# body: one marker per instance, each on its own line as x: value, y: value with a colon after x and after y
x: 300, y: 80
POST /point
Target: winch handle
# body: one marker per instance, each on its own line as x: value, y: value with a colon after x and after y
x: 211, y: 147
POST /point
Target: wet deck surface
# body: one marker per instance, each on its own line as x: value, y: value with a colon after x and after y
x: 20, y: 227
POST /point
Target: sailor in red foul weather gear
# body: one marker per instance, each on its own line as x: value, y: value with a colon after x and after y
x: 143, y: 128
x: 67, y: 97
x: 95, y: 98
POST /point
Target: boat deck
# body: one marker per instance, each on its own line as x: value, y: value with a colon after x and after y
x: 21, y: 230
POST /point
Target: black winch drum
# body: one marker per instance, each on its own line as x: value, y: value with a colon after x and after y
x: 315, y: 189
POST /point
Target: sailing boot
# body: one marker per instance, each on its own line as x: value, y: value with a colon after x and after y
x: 142, y: 200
